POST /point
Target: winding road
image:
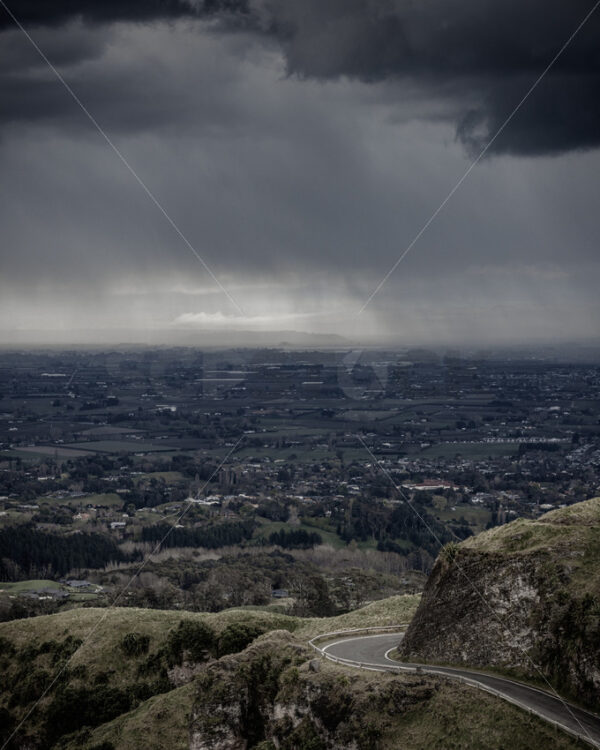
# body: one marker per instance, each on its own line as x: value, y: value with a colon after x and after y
x: 372, y: 652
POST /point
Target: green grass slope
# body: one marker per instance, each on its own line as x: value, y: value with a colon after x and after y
x: 142, y: 680
x: 569, y: 536
x: 86, y: 667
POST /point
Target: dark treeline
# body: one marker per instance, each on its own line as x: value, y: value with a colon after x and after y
x: 295, y: 539
x: 212, y: 537
x: 28, y: 553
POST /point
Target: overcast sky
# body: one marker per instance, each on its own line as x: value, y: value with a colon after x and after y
x: 299, y: 146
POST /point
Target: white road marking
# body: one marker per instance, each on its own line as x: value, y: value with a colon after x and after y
x: 356, y: 638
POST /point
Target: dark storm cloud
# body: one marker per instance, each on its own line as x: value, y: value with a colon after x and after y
x: 488, y: 52
x: 484, y: 55
x: 42, y: 13
x: 299, y: 191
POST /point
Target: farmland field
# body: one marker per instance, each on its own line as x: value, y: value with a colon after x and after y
x: 50, y: 450
x: 470, y: 450
x: 120, y: 446
x: 21, y: 587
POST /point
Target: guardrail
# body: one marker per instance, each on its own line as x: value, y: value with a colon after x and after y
x: 426, y: 669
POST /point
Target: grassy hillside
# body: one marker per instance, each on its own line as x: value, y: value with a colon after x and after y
x: 570, y: 536
x: 111, y: 662
x: 559, y: 529
x: 89, y: 666
x: 274, y: 693
x: 396, y: 610
x: 153, y: 679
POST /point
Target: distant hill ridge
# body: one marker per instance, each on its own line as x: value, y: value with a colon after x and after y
x: 517, y: 595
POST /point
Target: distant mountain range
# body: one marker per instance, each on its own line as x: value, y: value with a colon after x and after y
x: 174, y: 337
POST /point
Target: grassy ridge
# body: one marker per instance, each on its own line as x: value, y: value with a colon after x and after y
x: 396, y: 610
x: 570, y: 536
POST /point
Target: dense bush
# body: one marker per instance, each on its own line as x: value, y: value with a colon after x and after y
x: 192, y: 640
x: 73, y: 708
x: 236, y: 636
x: 295, y: 538
x: 59, y: 651
x: 7, y: 724
x: 135, y: 644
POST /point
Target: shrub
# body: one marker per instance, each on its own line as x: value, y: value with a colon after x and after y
x: 194, y: 639
x: 135, y: 644
x: 236, y: 636
x: 30, y: 688
x: 6, y: 647
x: 449, y: 552
x: 74, y: 708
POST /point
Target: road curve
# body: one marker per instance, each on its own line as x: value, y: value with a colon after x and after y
x: 373, y: 652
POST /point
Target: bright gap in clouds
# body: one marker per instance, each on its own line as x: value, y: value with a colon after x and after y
x: 264, y: 322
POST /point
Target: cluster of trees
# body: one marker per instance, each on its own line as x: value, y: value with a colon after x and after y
x: 26, y: 552
x: 197, y: 641
x: 211, y: 537
x: 295, y: 538
x: 26, y: 680
x: 273, y: 509
x: 365, y: 520
x: 17, y: 483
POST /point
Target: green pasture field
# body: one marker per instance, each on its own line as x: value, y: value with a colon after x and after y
x: 477, y: 517
x: 279, y: 429
x: 14, y: 517
x: 83, y: 597
x: 327, y: 535
x: 367, y: 415
x: 120, y: 446
x: 269, y: 527
x: 41, y: 452
x: 110, y: 499
x: 470, y: 450
x: 21, y: 587
x: 106, y: 429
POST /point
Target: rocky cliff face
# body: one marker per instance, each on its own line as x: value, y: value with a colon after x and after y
x: 276, y: 696
x: 476, y: 610
x: 523, y: 596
